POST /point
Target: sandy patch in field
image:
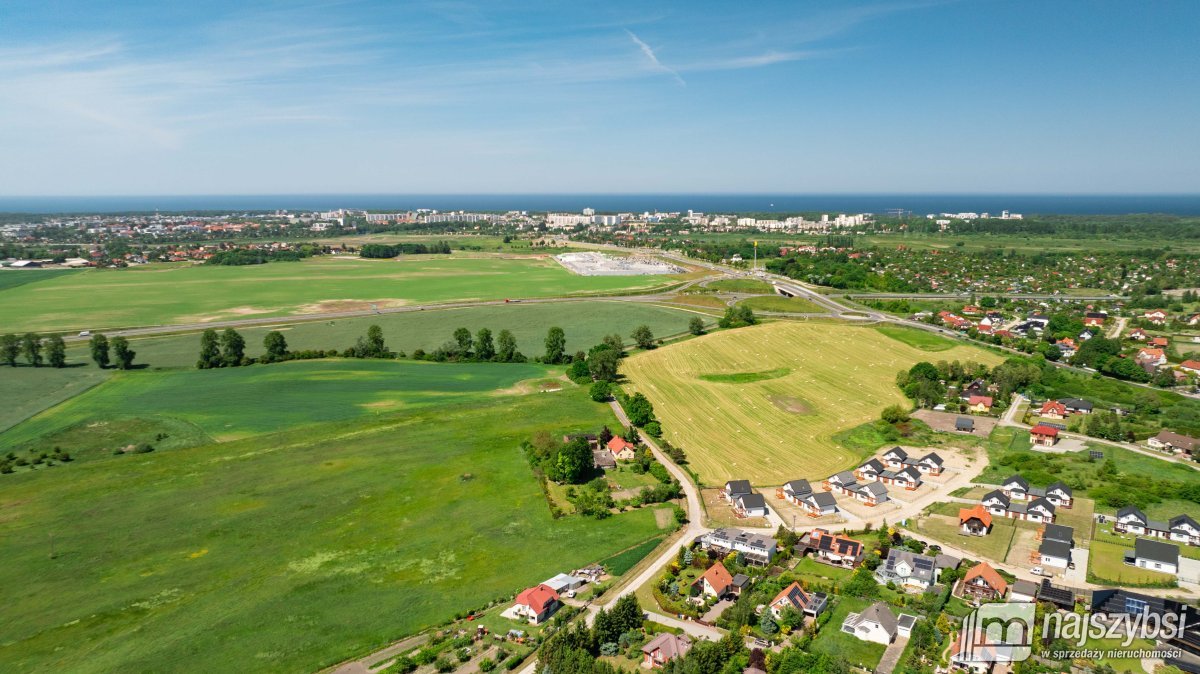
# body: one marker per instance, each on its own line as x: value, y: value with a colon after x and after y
x: 225, y: 314
x: 539, y: 385
x: 382, y: 405
x: 663, y: 517
x: 791, y: 404
x: 334, y: 306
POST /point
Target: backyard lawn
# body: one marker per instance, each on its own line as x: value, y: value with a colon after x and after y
x: 833, y: 641
x: 1106, y: 564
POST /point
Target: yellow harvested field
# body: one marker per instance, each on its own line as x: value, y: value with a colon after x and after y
x: 763, y: 403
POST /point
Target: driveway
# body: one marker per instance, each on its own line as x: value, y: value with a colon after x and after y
x: 716, y: 610
x: 891, y: 657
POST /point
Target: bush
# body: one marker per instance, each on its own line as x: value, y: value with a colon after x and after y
x: 513, y: 662
x: 486, y: 665
x: 601, y: 391
x: 444, y: 665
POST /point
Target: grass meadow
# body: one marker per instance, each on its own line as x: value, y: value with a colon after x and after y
x: 763, y: 403
x: 585, y: 324
x: 779, y: 303
x: 289, y: 551
x: 233, y: 403
x: 174, y: 293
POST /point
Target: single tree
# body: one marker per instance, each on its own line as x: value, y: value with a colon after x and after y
x: 123, y: 353
x: 643, y: 337
x: 99, y: 347
x: 696, y: 325
x: 506, y: 346
x: 233, y: 347
x: 603, y: 364
x: 375, y: 346
x: 462, y: 341
x: 31, y: 345
x: 276, y: 345
x: 485, y: 349
x: 615, y: 343
x: 10, y: 348
x: 556, y: 345
x: 210, y: 350
x: 600, y: 391
x: 56, y: 351
x: 575, y: 462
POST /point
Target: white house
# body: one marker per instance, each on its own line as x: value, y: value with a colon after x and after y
x: 796, y: 491
x: 1154, y: 556
x: 877, y: 624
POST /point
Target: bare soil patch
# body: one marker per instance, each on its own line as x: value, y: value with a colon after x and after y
x: 334, y: 306
x: 791, y: 404
x: 944, y: 421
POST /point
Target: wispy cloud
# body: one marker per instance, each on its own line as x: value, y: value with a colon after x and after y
x: 652, y: 58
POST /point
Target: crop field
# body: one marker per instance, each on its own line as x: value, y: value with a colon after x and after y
x: 293, y: 551
x: 233, y: 403
x: 28, y: 390
x: 585, y: 323
x: 796, y: 305
x: 185, y: 293
x: 763, y: 403
x: 11, y: 279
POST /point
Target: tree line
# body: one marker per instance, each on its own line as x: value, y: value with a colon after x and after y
x: 52, y: 350
x: 386, y: 250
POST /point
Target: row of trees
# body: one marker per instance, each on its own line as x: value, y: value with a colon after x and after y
x: 104, y: 351
x: 480, y: 347
x: 383, y: 250
x: 30, y: 346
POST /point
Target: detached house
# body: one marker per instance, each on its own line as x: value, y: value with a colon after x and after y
x: 536, y: 604
x: 1056, y: 546
x: 1138, y: 334
x: 895, y: 458
x: 833, y: 549
x: 908, y: 478
x: 795, y: 597
x: 930, y: 464
x: 1017, y: 488
x: 1174, y: 442
x: 750, y: 505
x: 1076, y: 405
x: 842, y: 483
x: 878, y: 624
x: 872, y: 493
x: 1157, y: 317
x: 980, y: 404
x: 983, y: 583
x: 735, y: 488
x: 1191, y: 366
x: 716, y: 582
x: 1154, y: 555
x: 975, y: 521
x: 1052, y: 409
x: 622, y: 449
x: 869, y: 471
x: 1150, y: 356
x: 1043, y: 435
x: 907, y: 569
x: 664, y: 648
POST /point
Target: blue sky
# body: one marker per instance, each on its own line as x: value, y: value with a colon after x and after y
x: 147, y: 97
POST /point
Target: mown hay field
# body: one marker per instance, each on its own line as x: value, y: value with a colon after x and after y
x: 763, y: 403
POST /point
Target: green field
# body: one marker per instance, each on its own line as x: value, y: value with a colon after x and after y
x: 781, y: 304
x: 741, y: 285
x: 184, y: 293
x: 585, y: 323
x: 11, y: 279
x: 233, y: 403
x: 290, y: 551
x: 780, y: 428
x: 918, y: 339
x: 29, y: 390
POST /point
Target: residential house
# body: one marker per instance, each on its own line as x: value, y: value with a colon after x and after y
x: 1194, y: 319
x: 1181, y: 528
x: 1054, y: 554
x: 869, y: 471
x: 1150, y: 356
x: 876, y: 624
x: 536, y: 604
x: 983, y: 583
x: 979, y: 404
x: 715, y: 582
x: 622, y: 449
x: 1043, y: 435
x: 842, y: 483
x: 895, y: 458
x: 1159, y: 342
x: 976, y: 521
x: 930, y: 464
x: 1174, y: 442
x: 735, y: 488
x: 750, y: 505
x: 833, y: 549
x: 795, y: 491
x: 795, y: 597
x: 664, y: 648
x: 1052, y: 409
x: 1017, y: 488
x: 1154, y: 556
x: 1138, y: 334
x: 819, y: 503
x: 603, y: 459
x: 907, y: 569
x: 1157, y: 317
x: 1038, y: 510
x: 872, y: 493
x: 964, y: 425
x: 758, y: 549
x: 908, y: 478
x: 1057, y: 532
x: 1191, y: 366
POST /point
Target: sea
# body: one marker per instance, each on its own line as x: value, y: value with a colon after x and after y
x: 1026, y: 204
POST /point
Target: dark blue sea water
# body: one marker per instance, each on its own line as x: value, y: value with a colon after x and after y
x: 1184, y: 204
